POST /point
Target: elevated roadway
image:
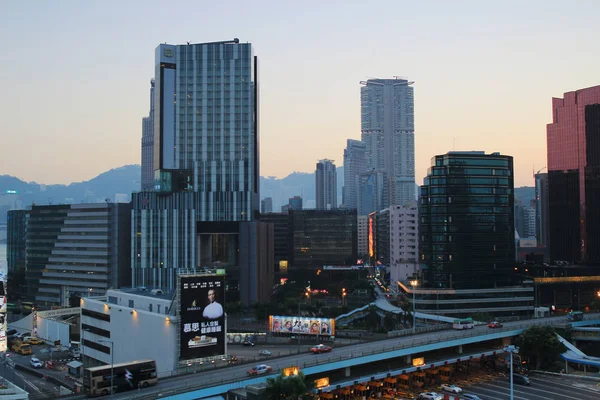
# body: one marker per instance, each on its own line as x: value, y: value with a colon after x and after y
x: 213, y: 382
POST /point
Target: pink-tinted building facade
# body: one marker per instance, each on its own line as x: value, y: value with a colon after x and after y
x: 573, y: 145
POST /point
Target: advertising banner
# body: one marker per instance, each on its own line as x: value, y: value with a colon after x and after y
x: 201, y: 316
x: 302, y: 325
x: 3, y: 305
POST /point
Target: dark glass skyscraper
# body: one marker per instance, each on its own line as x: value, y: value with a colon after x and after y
x: 467, y: 221
x: 574, y: 176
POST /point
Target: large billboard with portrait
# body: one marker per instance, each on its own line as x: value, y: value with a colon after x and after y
x: 302, y: 325
x: 3, y: 305
x: 201, y: 316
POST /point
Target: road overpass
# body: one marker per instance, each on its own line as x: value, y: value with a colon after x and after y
x: 217, y: 381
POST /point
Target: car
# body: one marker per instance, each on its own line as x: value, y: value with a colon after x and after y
x: 521, y: 379
x: 11, y: 332
x: 470, y: 397
x: 248, y: 343
x: 494, y: 324
x: 36, y: 363
x: 431, y: 396
x: 22, y: 335
x: 320, y: 348
x: 265, y: 353
x: 259, y: 370
x: 34, y: 341
x: 448, y: 387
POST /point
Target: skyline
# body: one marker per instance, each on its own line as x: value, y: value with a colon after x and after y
x: 79, y: 87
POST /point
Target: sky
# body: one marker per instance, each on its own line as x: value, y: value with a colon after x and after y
x: 74, y: 75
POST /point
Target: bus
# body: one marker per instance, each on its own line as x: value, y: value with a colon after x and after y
x: 127, y: 376
x: 466, y: 323
x: 575, y: 316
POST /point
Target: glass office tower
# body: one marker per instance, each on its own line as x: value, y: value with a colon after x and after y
x: 467, y: 221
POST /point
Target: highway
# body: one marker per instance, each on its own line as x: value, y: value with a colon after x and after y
x: 35, y: 386
x: 215, y: 377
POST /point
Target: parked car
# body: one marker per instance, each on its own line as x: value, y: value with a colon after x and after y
x: 248, y: 343
x: 320, y: 348
x: 446, y: 387
x: 431, y: 396
x: 265, y: 353
x: 494, y: 324
x: 22, y: 335
x: 36, y: 363
x: 471, y: 397
x: 75, y: 352
x: 11, y: 332
x: 259, y: 370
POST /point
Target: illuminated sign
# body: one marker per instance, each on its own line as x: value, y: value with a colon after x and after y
x: 283, y: 265
x: 418, y: 362
x: 291, y: 371
x: 371, y: 235
x: 321, y: 383
x: 201, y: 316
x: 302, y: 325
x: 11, y: 192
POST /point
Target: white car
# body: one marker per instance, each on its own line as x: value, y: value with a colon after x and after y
x: 36, y: 363
x: 431, y: 396
x: 259, y: 370
x: 451, y: 388
x: 265, y: 353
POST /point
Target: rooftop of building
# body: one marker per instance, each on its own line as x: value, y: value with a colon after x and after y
x: 156, y: 293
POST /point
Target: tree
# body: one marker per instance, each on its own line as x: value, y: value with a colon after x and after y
x: 540, y: 345
x: 288, y: 388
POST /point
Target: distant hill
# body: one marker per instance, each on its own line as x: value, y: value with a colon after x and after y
x: 15, y: 193
x: 126, y: 179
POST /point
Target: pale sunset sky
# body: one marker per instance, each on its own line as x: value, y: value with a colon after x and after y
x: 74, y: 75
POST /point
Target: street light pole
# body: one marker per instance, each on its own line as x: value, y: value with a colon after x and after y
x: 511, y: 349
x: 112, y: 364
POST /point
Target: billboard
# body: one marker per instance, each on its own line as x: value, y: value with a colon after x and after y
x: 201, y: 316
x: 3, y: 305
x: 302, y: 325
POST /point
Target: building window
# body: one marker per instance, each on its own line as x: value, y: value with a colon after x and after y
x: 112, y: 300
x: 95, y: 330
x: 158, y: 308
x: 95, y: 315
x: 150, y: 307
x: 96, y: 346
x: 131, y: 304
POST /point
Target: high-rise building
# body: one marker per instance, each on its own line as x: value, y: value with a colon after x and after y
x: 363, y: 236
x: 326, y: 185
x: 148, y: 145
x: 373, y: 192
x: 387, y: 130
x: 16, y: 239
x: 322, y: 237
x: 77, y: 250
x: 467, y: 221
x: 355, y: 163
x: 206, y: 178
x: 295, y: 203
x: 206, y: 127
x: 541, y: 210
x: 397, y: 241
x: 266, y: 205
x: 573, y: 145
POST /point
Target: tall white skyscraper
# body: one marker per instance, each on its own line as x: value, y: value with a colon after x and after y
x: 206, y: 162
x: 148, y: 145
x: 326, y: 185
x: 206, y: 127
x: 355, y: 163
x: 387, y: 129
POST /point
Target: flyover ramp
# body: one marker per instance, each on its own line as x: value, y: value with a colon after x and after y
x: 574, y: 355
